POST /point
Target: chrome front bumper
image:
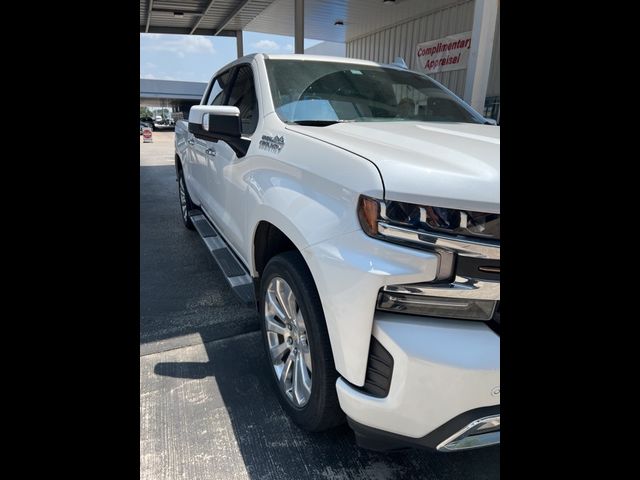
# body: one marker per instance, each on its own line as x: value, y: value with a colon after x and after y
x: 472, y: 295
x: 461, y: 288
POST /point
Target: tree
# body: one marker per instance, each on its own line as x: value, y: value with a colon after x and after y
x: 145, y: 112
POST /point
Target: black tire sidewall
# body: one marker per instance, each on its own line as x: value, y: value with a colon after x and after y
x: 189, y: 204
x: 291, y: 267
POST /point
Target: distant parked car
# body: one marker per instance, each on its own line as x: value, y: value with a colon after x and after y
x: 148, y: 121
x: 161, y: 123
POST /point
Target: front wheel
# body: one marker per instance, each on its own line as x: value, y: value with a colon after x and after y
x: 185, y: 201
x: 297, y: 344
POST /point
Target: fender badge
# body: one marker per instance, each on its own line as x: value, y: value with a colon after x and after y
x: 271, y: 144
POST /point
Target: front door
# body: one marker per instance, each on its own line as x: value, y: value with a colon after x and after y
x: 225, y: 180
x: 202, y: 152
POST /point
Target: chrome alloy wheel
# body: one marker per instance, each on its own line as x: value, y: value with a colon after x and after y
x: 183, y: 198
x: 288, y: 342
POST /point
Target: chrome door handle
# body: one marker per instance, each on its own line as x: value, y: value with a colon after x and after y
x: 191, y: 141
x: 211, y: 152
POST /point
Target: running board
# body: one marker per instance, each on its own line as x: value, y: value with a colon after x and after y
x: 237, y: 277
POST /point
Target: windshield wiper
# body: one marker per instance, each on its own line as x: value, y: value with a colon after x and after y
x: 319, y: 123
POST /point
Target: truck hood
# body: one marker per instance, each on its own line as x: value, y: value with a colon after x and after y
x: 454, y: 165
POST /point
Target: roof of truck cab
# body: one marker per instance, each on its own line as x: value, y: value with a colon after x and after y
x: 320, y: 58
x: 303, y: 58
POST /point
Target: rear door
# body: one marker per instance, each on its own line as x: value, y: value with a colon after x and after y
x: 200, y: 152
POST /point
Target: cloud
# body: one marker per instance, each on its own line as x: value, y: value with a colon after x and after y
x: 180, y: 45
x: 150, y: 65
x: 288, y: 47
x: 266, y: 45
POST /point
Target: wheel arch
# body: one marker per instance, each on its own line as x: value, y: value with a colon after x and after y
x: 268, y: 241
x: 262, y: 252
x: 271, y: 224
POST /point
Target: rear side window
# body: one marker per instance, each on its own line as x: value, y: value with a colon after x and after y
x: 219, y: 89
x: 243, y: 96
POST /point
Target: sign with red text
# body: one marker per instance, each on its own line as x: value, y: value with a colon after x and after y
x: 445, y: 54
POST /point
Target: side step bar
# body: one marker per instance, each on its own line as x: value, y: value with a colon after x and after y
x: 237, y: 277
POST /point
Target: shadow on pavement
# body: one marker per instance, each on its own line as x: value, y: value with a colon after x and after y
x: 273, y: 447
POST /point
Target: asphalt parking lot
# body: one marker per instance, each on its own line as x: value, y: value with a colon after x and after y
x: 207, y: 410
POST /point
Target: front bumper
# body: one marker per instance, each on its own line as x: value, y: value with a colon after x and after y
x: 442, y: 368
x: 464, y: 436
x: 351, y: 271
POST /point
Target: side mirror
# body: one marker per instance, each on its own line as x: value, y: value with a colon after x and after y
x: 490, y: 121
x: 217, y: 122
x: 212, y: 122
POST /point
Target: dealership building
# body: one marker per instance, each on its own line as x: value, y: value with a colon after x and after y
x: 456, y: 42
x: 175, y: 96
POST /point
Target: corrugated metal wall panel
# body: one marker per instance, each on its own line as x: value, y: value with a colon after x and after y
x: 400, y: 40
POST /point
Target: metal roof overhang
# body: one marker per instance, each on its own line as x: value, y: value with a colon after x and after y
x: 225, y: 17
x: 198, y: 17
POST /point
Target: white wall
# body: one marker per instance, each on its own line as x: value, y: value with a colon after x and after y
x: 333, y: 49
x: 400, y: 40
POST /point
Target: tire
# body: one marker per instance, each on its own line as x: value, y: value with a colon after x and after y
x: 318, y: 410
x: 185, y: 202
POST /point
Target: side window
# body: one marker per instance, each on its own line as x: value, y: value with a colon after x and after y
x: 243, y: 96
x: 219, y: 88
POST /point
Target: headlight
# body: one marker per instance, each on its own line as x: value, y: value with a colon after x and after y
x: 427, y: 219
x: 468, y: 248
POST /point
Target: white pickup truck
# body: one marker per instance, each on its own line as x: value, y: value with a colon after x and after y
x: 357, y: 206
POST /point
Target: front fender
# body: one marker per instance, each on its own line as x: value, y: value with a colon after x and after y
x: 310, y: 199
x: 309, y: 190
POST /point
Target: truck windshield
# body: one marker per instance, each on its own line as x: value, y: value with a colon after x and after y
x: 321, y: 93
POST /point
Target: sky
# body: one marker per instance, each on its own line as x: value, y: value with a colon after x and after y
x: 196, y: 58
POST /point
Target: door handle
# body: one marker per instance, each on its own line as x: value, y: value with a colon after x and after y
x: 211, y: 152
x: 191, y: 141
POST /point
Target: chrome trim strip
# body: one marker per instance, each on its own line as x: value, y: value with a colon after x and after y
x: 239, y: 280
x: 467, y: 247
x: 434, y: 302
x: 214, y: 243
x: 461, y: 288
x: 464, y: 438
